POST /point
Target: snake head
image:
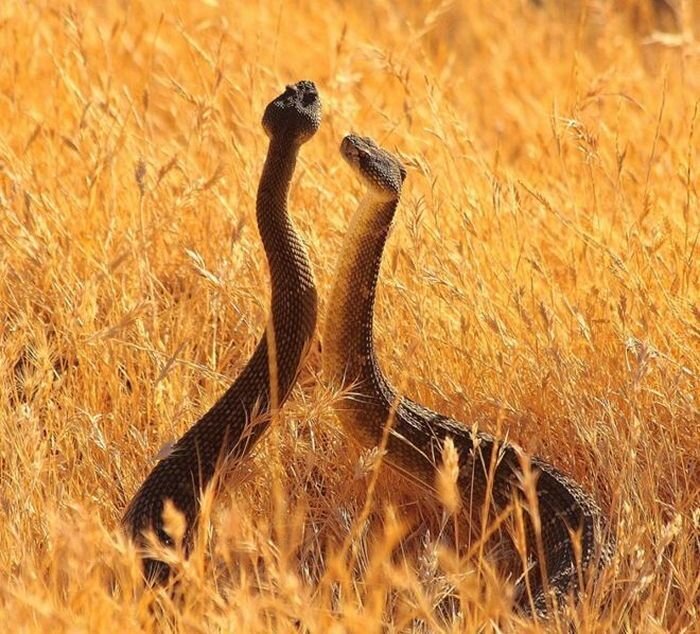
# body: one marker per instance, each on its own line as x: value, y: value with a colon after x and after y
x: 295, y: 115
x: 381, y: 171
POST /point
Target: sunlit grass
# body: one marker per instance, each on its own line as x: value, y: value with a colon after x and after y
x: 542, y: 281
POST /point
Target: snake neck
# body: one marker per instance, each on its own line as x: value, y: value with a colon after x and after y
x: 290, y: 267
x: 230, y: 429
x: 490, y: 472
x: 291, y: 275
x: 348, y: 343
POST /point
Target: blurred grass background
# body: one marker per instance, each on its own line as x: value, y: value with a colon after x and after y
x: 541, y: 281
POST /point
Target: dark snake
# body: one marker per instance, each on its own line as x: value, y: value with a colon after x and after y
x: 229, y: 430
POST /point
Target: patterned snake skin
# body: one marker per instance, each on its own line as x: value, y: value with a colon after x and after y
x: 230, y: 429
x: 567, y: 535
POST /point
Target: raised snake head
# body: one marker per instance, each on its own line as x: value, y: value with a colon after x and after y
x: 295, y: 115
x: 380, y: 170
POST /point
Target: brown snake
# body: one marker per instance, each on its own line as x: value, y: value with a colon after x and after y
x: 230, y: 429
x: 567, y: 536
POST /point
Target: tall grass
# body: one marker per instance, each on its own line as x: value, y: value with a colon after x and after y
x: 542, y: 282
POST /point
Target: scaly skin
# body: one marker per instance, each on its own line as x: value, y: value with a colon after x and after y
x: 490, y: 471
x: 230, y: 429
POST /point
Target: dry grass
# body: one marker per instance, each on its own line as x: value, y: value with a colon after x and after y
x: 542, y: 281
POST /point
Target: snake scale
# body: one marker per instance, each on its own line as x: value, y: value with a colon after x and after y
x: 229, y: 430
x: 567, y: 536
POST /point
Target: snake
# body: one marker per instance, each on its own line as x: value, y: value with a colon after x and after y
x: 228, y: 431
x: 565, y: 531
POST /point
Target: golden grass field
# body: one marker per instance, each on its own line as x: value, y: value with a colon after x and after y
x: 542, y: 281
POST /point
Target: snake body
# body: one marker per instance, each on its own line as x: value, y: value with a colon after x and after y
x: 229, y: 430
x: 564, y: 534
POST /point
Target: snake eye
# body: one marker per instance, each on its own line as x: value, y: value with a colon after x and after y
x: 308, y: 99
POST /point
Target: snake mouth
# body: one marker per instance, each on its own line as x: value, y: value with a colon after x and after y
x: 349, y: 150
x: 306, y: 90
